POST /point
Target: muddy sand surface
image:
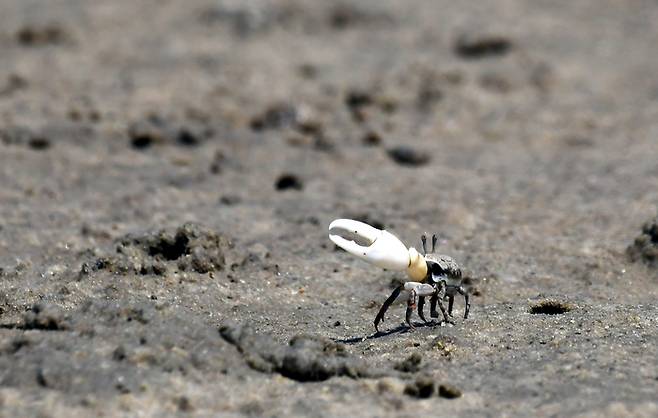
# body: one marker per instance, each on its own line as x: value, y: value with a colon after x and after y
x: 168, y: 171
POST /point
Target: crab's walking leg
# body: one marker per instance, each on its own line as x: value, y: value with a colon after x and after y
x: 416, y: 291
x: 437, y: 298
x: 451, y: 300
x: 433, y: 300
x: 421, y: 305
x: 446, y: 318
x: 380, y: 316
x: 411, y: 304
x: 467, y: 301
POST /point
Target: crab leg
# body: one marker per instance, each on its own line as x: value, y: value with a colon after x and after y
x: 467, y: 302
x: 433, y: 301
x: 411, y: 304
x: 421, y: 305
x: 417, y: 293
x: 380, y: 315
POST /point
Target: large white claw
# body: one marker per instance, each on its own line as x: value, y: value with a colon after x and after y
x: 384, y: 249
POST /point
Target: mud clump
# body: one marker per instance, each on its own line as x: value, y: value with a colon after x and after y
x: 550, y: 307
x: 411, y: 364
x: 371, y: 139
x: 449, y: 392
x: 477, y: 45
x: 409, y: 157
x: 17, y: 135
x: 230, y: 200
x: 301, y: 122
x: 41, y: 35
x: 189, y: 248
x: 278, y: 115
x: 357, y: 99
x: 39, y: 143
x: 305, y: 359
x: 158, y: 130
x: 184, y: 404
x: 422, y: 388
x: 45, y: 317
x: 346, y: 15
x: 645, y: 246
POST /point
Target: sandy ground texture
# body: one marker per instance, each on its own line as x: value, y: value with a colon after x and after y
x: 168, y: 171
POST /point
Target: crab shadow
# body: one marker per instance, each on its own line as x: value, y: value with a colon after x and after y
x: 400, y: 329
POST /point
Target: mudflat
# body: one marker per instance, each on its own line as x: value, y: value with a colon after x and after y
x: 168, y: 171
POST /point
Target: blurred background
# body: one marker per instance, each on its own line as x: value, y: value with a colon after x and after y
x: 437, y: 116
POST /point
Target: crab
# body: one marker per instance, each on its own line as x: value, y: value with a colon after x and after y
x: 432, y: 275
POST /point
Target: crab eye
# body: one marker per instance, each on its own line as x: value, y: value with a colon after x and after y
x: 436, y: 270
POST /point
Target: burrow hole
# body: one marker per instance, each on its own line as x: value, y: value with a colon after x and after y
x: 550, y: 307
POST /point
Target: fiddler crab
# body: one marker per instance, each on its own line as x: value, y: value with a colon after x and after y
x: 435, y: 275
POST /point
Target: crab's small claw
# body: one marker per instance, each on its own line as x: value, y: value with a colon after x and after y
x: 382, y: 248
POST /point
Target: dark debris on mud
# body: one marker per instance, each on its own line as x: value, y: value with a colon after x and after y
x: 18, y: 135
x: 301, y: 123
x: 42, y: 35
x: 189, y: 248
x: 48, y: 136
x: 305, y: 359
x: 474, y: 45
x: 424, y: 387
x: 157, y: 130
x: 246, y: 21
x: 45, y: 317
x: 408, y: 157
x: 411, y: 364
x: 344, y: 15
x: 276, y: 116
x: 645, y: 246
